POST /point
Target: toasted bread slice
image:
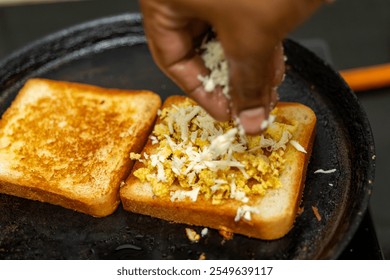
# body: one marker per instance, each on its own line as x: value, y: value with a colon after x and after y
x: 268, y: 215
x: 68, y: 144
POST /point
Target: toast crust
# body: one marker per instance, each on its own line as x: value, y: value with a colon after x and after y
x: 277, y: 209
x: 68, y: 144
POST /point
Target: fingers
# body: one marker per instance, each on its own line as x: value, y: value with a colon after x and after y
x: 183, y: 65
x: 256, y: 65
x: 279, y: 73
x: 171, y: 41
x: 215, y: 103
x: 254, y: 88
x: 278, y: 66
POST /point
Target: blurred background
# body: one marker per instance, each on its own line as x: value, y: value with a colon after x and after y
x: 348, y: 34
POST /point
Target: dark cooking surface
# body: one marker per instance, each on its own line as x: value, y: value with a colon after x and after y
x: 116, y: 56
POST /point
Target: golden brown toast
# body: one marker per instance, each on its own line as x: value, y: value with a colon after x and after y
x: 68, y: 144
x: 163, y: 184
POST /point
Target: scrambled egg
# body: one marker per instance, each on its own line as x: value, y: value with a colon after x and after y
x: 199, y: 157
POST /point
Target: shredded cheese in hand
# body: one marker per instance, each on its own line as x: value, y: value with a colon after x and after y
x: 214, y: 58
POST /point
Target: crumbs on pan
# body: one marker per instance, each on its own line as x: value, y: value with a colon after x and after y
x: 316, y: 213
x: 192, y: 235
x: 226, y: 234
x: 202, y: 256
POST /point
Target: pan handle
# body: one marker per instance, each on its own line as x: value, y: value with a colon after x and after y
x: 366, y: 78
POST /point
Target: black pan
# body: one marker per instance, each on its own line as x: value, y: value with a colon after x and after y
x: 111, y: 52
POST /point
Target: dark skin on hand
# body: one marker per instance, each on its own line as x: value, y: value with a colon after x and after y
x: 251, y: 34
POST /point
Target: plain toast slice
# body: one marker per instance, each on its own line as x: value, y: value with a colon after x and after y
x: 68, y: 144
x: 268, y: 216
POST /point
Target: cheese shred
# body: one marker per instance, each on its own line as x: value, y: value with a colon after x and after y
x: 325, y: 171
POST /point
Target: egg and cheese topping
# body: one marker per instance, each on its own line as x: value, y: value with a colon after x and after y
x: 197, y: 157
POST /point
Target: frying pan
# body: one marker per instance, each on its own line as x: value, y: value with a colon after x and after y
x: 111, y: 52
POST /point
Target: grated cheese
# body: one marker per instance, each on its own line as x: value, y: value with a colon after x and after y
x: 154, y: 139
x: 298, y: 146
x: 194, y: 136
x: 191, y: 177
x: 214, y: 59
x: 238, y: 195
x: 245, y: 211
x: 324, y: 171
x: 271, y: 145
x: 220, y: 145
x: 283, y: 141
x: 160, y: 172
x: 181, y: 195
x: 266, y: 123
x: 271, y: 119
x: 177, y: 164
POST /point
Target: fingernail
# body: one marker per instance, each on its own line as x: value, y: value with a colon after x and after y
x: 252, y: 120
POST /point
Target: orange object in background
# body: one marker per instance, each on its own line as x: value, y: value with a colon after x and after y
x: 366, y: 78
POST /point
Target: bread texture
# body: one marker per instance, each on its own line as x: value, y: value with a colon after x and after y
x: 268, y: 215
x: 68, y: 144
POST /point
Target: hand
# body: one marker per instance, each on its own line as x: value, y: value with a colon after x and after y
x: 250, y: 33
